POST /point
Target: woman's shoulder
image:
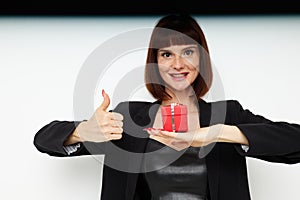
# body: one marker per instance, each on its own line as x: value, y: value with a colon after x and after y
x: 229, y: 103
x: 223, y: 111
x: 134, y: 105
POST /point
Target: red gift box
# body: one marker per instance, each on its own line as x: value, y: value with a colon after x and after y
x: 174, y: 117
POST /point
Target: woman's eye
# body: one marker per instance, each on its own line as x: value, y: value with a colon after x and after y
x: 166, y: 54
x: 188, y: 52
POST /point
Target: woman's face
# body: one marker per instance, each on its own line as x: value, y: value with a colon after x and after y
x: 178, y: 65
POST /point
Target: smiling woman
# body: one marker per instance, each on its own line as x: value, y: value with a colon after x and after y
x: 170, y: 164
x: 179, y: 66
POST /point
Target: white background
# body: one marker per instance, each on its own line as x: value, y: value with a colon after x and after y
x: 257, y: 58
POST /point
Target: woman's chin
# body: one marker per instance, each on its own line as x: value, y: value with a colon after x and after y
x: 180, y: 88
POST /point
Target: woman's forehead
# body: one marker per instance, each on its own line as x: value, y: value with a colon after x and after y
x: 178, y: 47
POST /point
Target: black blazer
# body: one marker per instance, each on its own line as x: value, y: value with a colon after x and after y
x: 226, y: 163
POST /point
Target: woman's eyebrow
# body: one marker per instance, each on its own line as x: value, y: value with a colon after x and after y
x: 162, y: 49
x: 170, y: 50
x: 190, y: 47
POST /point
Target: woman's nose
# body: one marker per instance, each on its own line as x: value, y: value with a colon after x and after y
x: 178, y: 62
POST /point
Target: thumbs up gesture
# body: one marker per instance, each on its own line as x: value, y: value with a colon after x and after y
x: 102, y: 126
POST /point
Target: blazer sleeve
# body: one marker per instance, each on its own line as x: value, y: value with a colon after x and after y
x: 50, y: 138
x: 274, y: 141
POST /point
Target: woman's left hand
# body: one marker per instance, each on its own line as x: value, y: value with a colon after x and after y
x: 179, y: 141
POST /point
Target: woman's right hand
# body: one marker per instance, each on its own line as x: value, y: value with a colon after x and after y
x: 102, y: 126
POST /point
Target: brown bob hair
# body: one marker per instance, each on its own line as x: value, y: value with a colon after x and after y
x: 177, y: 30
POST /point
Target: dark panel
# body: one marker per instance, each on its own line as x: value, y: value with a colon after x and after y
x: 148, y: 7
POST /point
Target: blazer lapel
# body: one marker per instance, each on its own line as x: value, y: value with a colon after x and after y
x: 211, y: 152
x: 143, y: 119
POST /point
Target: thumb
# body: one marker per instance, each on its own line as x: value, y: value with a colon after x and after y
x: 106, y: 101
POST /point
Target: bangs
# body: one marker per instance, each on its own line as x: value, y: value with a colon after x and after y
x: 166, y: 37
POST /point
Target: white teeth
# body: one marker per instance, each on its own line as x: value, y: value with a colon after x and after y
x: 178, y: 75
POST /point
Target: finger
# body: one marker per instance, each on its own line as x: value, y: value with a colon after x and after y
x: 178, y: 136
x: 115, y: 123
x: 116, y: 116
x: 160, y: 139
x: 116, y: 130
x: 115, y: 136
x: 106, y: 101
x: 168, y: 134
x: 152, y: 131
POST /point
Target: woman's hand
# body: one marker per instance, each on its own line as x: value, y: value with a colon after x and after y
x: 200, y: 137
x: 102, y: 126
x: 180, y: 141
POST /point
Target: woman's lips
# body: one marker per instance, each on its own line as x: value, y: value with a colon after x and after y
x: 178, y: 76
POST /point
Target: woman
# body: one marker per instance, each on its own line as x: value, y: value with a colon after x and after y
x: 207, y: 162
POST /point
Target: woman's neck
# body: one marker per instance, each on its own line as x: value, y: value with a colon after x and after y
x: 186, y: 97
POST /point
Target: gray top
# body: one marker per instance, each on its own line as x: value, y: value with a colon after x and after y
x: 185, y: 178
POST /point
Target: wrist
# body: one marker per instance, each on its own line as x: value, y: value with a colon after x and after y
x: 203, y: 136
x: 231, y: 134
x: 75, y: 137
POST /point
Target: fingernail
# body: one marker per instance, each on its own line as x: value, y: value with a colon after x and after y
x: 151, y: 132
x: 103, y: 92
